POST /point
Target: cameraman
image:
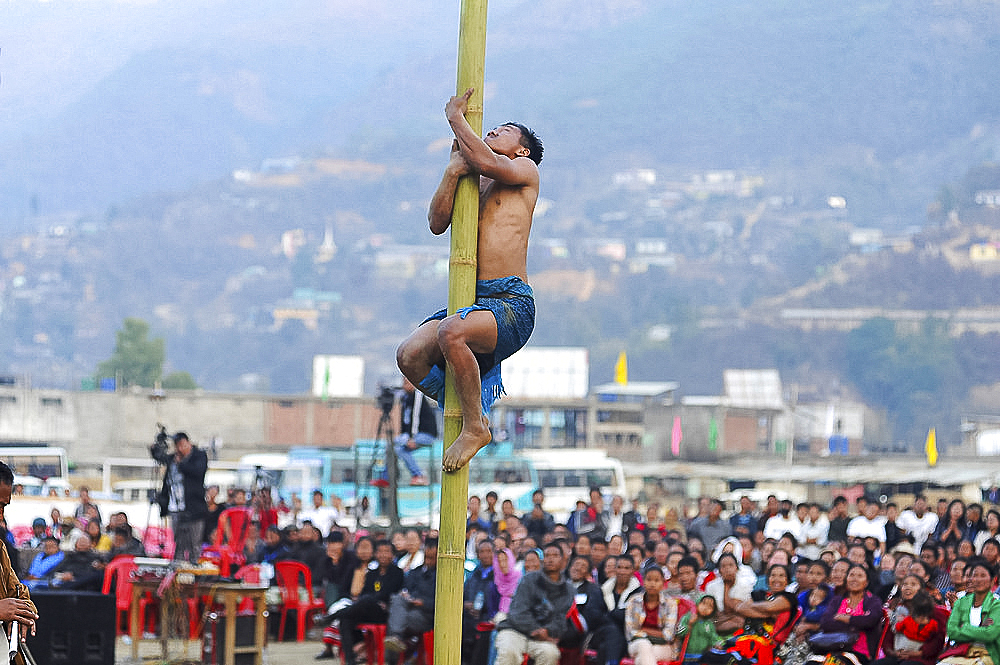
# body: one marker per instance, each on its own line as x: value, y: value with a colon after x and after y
x: 182, y: 496
x: 417, y: 429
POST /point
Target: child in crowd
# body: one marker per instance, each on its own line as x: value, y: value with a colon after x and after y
x: 701, y: 625
x: 912, y: 631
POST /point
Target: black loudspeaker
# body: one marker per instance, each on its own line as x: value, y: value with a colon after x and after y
x: 73, y: 628
x: 215, y: 637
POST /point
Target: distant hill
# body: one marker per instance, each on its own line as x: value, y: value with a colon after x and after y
x: 880, y: 102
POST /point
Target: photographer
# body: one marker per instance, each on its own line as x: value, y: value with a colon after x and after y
x: 182, y: 496
x: 417, y: 429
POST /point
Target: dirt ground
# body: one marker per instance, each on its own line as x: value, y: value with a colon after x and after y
x: 275, y: 653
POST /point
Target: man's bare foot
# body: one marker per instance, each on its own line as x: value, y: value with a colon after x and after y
x: 469, y: 442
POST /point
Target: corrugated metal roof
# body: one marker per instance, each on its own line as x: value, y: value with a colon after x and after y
x: 753, y: 389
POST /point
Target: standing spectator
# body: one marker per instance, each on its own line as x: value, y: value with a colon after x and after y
x: 617, y: 593
x: 771, y: 509
x: 537, y: 521
x: 182, y: 496
x: 918, y: 522
x: 537, y: 617
x: 215, y: 508
x: 476, y: 518
x: 782, y: 523
x: 480, y: 601
x: 588, y: 615
x: 710, y: 528
x: 743, y: 523
x: 814, y: 533
x: 868, y: 525
x: 491, y: 513
x: 417, y: 429
x: 839, y: 520
x: 506, y: 577
x: 893, y: 534
x: 952, y: 529
x: 323, y: 517
x: 973, y: 520
x: 615, y: 525
x: 85, y: 505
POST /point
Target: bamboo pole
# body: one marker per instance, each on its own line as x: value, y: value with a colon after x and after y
x: 461, y: 293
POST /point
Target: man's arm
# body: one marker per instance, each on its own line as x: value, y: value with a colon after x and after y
x: 479, y: 156
x: 443, y: 201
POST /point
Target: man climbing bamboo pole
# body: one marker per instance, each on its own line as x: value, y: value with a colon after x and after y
x: 454, y: 356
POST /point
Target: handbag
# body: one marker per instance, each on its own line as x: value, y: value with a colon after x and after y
x: 960, y: 649
x: 832, y: 642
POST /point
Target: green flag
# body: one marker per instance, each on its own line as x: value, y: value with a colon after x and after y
x: 713, y: 434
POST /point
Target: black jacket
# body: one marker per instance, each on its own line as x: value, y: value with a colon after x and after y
x: 422, y: 584
x: 192, y: 469
x: 380, y: 587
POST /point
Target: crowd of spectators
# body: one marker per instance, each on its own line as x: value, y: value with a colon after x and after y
x: 906, y: 586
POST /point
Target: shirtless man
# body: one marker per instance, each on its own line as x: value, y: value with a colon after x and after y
x: 475, y: 340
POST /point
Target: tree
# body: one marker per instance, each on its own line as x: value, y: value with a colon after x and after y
x: 136, y: 360
x: 179, y: 381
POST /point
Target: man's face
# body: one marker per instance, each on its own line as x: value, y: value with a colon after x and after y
x: 686, y: 578
x: 716, y: 510
x: 334, y: 550
x: 183, y: 447
x: 383, y: 555
x: 957, y: 573
x: 745, y: 504
x: 505, y: 140
x: 928, y: 556
x: 553, y: 561
x: 82, y: 544
x: 579, y: 570
x: 272, y: 537
x: 623, y: 570
x: 485, y: 553
x: 50, y: 547
x: 5, y: 492
x: 920, y: 507
x: 317, y: 500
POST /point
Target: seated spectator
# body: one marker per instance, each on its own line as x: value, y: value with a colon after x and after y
x: 39, y: 532
x: 272, y: 549
x: 916, y: 632
x: 617, y: 593
x: 858, y: 610
x: 370, y: 606
x: 587, y: 614
x: 769, y: 613
x: 651, y: 622
x: 700, y: 624
x: 411, y: 611
x: 506, y: 577
x: 974, y: 624
x: 124, y: 543
x: 100, y: 541
x: 310, y: 550
x: 79, y: 569
x: 480, y: 602
x: 336, y: 570
x: 728, y: 584
x: 44, y: 564
x: 69, y: 531
x: 412, y: 553
x: 683, y: 584
x: 537, y: 617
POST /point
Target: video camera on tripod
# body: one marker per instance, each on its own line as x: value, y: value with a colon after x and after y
x: 386, y: 398
x: 160, y: 450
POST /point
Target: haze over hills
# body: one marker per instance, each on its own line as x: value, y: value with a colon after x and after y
x: 884, y: 100
x: 185, y: 162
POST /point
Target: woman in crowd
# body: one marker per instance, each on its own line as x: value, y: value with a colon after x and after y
x: 651, y: 621
x: 838, y: 575
x: 974, y: 624
x: 991, y: 530
x: 857, y: 609
x: 920, y: 569
x: 774, y: 613
x: 916, y: 628
x: 506, y: 577
x: 532, y: 561
x: 728, y: 584
x: 952, y: 529
x: 101, y: 541
x: 364, y: 551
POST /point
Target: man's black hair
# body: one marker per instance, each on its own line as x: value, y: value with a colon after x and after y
x: 335, y: 537
x: 431, y: 543
x: 688, y: 562
x: 530, y: 141
x: 6, y: 475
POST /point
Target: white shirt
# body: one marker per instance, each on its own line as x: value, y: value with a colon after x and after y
x: 862, y: 527
x: 819, y: 531
x: 778, y: 526
x: 919, y: 527
x: 322, y: 518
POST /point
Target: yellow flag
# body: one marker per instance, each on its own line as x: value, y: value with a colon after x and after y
x: 931, y: 447
x: 621, y: 369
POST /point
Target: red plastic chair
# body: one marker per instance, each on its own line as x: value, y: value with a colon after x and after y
x: 122, y: 567
x: 230, y: 538
x: 21, y: 534
x: 374, y: 634
x: 289, y: 573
